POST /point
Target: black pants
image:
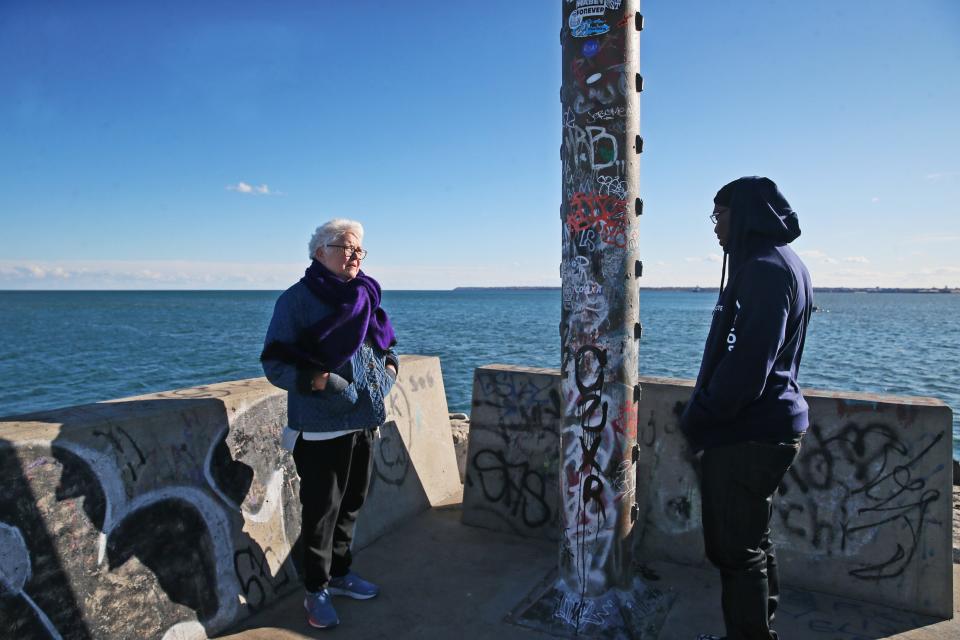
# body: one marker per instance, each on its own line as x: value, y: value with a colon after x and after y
x: 736, y: 489
x: 334, y: 476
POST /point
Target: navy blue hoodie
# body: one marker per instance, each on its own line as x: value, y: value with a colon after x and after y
x: 747, y: 386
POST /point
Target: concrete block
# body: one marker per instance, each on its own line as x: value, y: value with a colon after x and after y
x: 173, y: 515
x: 513, y: 451
x: 168, y: 514
x: 667, y: 483
x: 415, y: 465
x: 865, y: 512
x: 396, y: 493
x: 868, y: 504
x: 418, y: 405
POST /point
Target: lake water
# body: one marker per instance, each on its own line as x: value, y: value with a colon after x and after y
x: 65, y: 348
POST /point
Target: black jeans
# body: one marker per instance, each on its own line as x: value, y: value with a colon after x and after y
x: 736, y: 488
x: 334, y: 477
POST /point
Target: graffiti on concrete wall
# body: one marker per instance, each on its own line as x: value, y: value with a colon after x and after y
x: 863, y: 490
x: 531, y: 402
x: 860, y: 484
x: 147, y: 530
x: 164, y: 517
x: 512, y: 465
x: 519, y: 489
x: 391, y: 456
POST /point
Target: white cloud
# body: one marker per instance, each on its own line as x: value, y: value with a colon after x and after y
x: 936, y: 237
x: 183, y: 274
x: 174, y: 274
x: 818, y: 255
x: 710, y: 257
x: 941, y: 175
x: 925, y: 276
x: 245, y: 187
x: 951, y: 272
x: 857, y: 259
x: 874, y: 199
x: 121, y: 274
x: 447, y: 276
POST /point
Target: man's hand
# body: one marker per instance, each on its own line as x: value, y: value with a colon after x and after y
x: 319, y: 382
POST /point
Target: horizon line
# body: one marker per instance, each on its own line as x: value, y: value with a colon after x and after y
x: 690, y: 288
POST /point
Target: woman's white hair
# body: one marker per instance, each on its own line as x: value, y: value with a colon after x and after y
x: 330, y: 232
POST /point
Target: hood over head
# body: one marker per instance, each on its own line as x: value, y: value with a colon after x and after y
x: 759, y: 216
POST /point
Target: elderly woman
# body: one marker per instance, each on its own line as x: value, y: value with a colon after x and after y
x: 330, y: 346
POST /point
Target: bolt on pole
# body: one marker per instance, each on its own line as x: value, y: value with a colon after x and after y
x: 600, y: 270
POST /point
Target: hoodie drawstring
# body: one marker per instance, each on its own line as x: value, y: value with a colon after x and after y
x: 723, y: 272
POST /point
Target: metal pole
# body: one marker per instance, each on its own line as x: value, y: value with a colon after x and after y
x: 600, y: 319
x: 595, y: 592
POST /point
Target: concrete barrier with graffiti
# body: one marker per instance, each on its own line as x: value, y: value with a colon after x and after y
x: 865, y: 512
x: 174, y: 515
x: 513, y: 457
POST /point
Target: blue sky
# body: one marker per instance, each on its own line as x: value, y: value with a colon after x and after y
x: 197, y: 144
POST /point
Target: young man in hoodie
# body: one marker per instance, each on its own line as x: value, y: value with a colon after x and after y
x: 747, y: 413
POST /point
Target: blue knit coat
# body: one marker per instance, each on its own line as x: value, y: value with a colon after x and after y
x: 354, y: 395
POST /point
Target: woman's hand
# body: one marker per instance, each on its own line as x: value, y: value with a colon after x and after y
x: 392, y: 370
x: 319, y: 382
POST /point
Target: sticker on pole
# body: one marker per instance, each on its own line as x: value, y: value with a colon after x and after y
x: 587, y: 8
x: 590, y: 27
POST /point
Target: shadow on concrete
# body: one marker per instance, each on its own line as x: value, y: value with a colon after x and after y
x: 34, y: 586
x: 812, y: 614
x: 396, y: 494
x: 93, y: 525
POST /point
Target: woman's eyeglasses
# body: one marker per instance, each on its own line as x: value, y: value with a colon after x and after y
x: 349, y: 252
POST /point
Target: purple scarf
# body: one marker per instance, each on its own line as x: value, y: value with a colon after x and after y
x: 356, y: 316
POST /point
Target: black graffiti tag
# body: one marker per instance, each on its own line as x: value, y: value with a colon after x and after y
x: 520, y: 489
x: 252, y: 570
x: 590, y: 393
x: 131, y: 454
x: 391, y: 461
x: 887, y: 510
x: 587, y: 406
x: 881, y: 472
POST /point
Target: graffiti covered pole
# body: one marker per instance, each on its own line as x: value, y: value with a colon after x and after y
x: 595, y: 591
x: 600, y: 323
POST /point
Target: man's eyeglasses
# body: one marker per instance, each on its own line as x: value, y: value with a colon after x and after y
x: 349, y: 252
x: 715, y: 216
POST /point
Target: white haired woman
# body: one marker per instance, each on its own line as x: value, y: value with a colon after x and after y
x: 330, y: 346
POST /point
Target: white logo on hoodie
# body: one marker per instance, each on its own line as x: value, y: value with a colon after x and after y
x: 732, y: 336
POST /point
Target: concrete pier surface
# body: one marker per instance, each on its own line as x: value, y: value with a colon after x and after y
x: 175, y: 516
x: 442, y: 579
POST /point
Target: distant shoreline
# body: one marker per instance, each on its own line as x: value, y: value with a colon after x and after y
x: 711, y: 289
x: 515, y: 288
